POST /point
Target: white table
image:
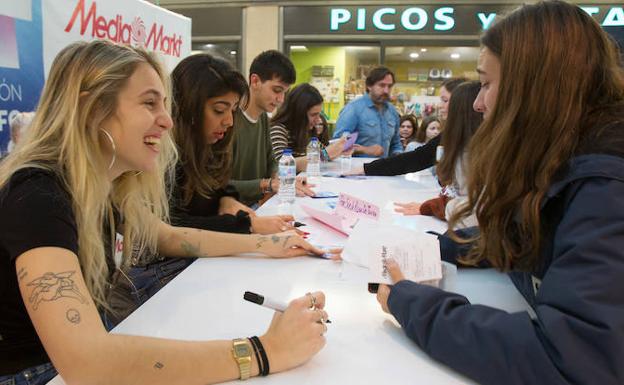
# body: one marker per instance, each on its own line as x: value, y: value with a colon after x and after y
x: 364, y: 345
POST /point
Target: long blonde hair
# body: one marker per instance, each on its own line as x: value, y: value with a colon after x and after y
x: 81, y: 92
x: 559, y: 78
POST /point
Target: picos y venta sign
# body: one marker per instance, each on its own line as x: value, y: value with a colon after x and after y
x: 422, y: 19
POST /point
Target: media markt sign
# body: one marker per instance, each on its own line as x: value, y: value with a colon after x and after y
x: 119, y: 30
x: 132, y: 22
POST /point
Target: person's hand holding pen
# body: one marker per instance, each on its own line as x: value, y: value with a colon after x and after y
x: 297, y: 334
x: 303, y: 188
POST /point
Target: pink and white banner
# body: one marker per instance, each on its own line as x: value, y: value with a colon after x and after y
x: 32, y: 32
x: 133, y: 22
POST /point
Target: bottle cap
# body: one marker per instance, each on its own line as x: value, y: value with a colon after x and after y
x: 287, y: 151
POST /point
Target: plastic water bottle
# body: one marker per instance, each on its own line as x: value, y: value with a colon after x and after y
x: 287, y: 174
x: 313, y: 155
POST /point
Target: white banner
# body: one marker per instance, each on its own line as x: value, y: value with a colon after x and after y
x: 16, y: 9
x: 137, y: 23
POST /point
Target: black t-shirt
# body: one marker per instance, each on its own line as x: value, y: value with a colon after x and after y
x: 203, y: 212
x: 35, y: 211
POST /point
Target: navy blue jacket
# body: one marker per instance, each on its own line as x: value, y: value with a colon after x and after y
x: 578, y: 335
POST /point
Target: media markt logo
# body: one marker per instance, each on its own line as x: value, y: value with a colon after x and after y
x: 117, y: 30
x: 138, y: 32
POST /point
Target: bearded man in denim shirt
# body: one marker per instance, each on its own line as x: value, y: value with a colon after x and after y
x: 373, y: 117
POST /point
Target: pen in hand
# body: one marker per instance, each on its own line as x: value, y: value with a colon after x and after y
x: 267, y: 302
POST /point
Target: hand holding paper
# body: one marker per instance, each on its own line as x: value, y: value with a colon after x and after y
x: 417, y: 257
x: 384, y: 291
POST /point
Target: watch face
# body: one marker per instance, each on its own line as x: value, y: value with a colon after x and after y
x: 241, y: 350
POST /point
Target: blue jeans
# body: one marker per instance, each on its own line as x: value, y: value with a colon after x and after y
x: 37, y: 375
x: 148, y: 280
x: 133, y: 288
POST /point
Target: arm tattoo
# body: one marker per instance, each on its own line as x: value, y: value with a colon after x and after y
x: 158, y: 365
x: 261, y: 241
x: 73, y: 316
x: 50, y: 287
x: 190, y: 249
x: 21, y: 274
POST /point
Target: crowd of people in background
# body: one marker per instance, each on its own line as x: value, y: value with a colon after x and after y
x: 113, y: 157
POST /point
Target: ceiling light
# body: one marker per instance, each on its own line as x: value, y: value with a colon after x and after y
x: 455, y: 56
x: 414, y: 55
x: 298, y: 48
x: 207, y: 46
x: 423, y: 50
x: 358, y: 47
x: 233, y: 52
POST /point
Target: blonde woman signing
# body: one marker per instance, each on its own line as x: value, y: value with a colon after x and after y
x: 92, y: 167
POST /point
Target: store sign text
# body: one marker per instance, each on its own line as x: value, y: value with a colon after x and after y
x: 415, y: 18
x: 119, y: 31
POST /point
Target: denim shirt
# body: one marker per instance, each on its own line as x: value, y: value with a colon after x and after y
x: 373, y: 126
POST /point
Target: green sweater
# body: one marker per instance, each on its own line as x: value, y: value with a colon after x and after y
x: 252, y: 156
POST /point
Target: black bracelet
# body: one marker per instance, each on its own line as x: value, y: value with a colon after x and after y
x: 265, y: 360
x: 258, y: 361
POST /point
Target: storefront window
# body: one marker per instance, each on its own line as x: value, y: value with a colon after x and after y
x: 421, y: 70
x: 225, y: 50
x: 337, y: 71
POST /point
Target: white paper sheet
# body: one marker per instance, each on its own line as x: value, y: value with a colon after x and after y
x: 418, y: 257
x: 417, y: 253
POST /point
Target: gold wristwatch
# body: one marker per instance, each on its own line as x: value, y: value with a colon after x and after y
x: 241, y: 349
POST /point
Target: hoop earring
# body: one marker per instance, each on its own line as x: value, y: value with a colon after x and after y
x: 112, y: 142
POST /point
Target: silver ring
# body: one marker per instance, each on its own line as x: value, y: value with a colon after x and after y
x: 312, y: 301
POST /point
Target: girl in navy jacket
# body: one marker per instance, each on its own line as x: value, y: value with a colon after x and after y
x: 546, y: 182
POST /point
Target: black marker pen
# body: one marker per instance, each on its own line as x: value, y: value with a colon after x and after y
x: 266, y: 302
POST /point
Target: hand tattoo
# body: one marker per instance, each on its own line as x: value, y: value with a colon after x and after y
x: 51, y: 287
x: 275, y: 238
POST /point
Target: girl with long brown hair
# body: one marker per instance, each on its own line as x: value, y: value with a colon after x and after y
x: 428, y: 129
x: 294, y: 125
x: 546, y: 181
x: 460, y: 126
x: 206, y: 93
